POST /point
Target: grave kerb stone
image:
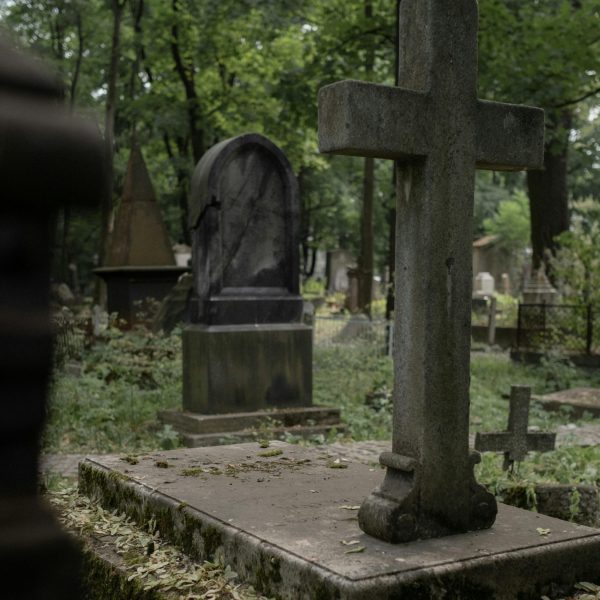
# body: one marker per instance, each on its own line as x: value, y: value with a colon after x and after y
x: 438, y: 132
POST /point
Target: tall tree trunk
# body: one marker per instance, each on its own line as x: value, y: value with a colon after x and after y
x: 196, y: 132
x: 548, y: 194
x: 392, y: 213
x: 65, y: 254
x: 365, y: 262
x: 305, y: 225
x: 182, y: 174
x: 186, y: 75
x: 78, y: 60
x: 106, y: 206
x: 365, y: 282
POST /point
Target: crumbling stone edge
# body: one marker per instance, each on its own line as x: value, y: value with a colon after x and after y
x: 105, y: 577
x: 525, y: 573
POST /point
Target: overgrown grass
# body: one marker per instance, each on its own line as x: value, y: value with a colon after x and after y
x: 111, y: 407
x: 127, y: 378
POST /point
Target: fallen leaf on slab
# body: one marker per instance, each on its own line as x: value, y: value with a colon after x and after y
x: 355, y: 550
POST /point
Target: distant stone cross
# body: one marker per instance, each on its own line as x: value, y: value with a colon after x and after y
x: 517, y: 441
x: 438, y: 133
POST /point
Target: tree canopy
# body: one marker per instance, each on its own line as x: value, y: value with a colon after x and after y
x: 188, y: 73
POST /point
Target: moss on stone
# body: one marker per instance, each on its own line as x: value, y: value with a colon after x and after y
x: 269, y: 453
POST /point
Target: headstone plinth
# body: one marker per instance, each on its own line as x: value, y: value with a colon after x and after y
x: 140, y: 264
x: 246, y: 349
x: 47, y: 160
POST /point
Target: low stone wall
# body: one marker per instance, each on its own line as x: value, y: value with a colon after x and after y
x: 576, y: 503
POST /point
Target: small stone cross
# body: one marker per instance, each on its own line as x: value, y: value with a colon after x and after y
x: 517, y: 441
x: 438, y: 132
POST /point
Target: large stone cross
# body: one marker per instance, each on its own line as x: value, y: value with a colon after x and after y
x: 517, y: 441
x: 438, y: 132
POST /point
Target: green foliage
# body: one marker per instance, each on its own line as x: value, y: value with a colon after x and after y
x: 511, y: 223
x: 565, y: 465
x: 559, y: 372
x: 343, y: 376
x: 576, y: 266
x: 313, y: 288
x: 507, y: 308
x: 112, y: 406
x: 539, y: 53
x: 257, y: 65
x: 491, y: 188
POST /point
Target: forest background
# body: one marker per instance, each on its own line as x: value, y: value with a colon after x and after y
x: 181, y: 75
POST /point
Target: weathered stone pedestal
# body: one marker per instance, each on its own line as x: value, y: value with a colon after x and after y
x: 248, y: 382
x: 232, y: 368
x: 127, y: 288
x: 287, y: 524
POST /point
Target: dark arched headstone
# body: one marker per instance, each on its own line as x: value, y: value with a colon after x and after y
x: 244, y: 215
x: 246, y: 349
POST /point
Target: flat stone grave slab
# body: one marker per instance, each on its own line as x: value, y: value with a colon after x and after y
x: 579, y: 400
x: 285, y: 519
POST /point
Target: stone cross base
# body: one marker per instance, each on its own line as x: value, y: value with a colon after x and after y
x: 392, y: 512
x: 244, y: 368
x: 198, y: 430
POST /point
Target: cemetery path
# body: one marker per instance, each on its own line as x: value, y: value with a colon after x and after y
x: 66, y: 465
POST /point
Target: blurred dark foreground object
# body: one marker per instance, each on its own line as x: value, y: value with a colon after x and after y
x: 47, y: 159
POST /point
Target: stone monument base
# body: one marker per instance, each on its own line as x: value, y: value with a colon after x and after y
x: 284, y: 518
x: 243, y: 368
x: 126, y: 287
x: 198, y: 430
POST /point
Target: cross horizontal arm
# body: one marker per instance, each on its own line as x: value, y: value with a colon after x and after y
x: 366, y: 119
x: 541, y: 442
x: 510, y: 137
x: 494, y: 441
x: 504, y: 441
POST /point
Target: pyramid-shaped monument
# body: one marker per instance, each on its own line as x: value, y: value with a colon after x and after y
x: 139, y: 263
x: 140, y: 237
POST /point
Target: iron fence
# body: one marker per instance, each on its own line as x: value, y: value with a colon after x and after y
x: 71, y: 336
x: 566, y: 327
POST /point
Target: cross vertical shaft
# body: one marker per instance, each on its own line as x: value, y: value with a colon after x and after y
x: 435, y: 205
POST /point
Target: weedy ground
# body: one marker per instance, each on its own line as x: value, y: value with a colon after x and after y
x: 148, y: 561
x: 123, y: 379
x: 104, y: 399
